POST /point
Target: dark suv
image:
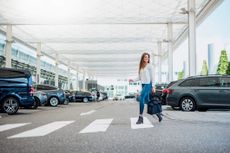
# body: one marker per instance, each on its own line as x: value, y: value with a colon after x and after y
x: 55, y: 95
x: 15, y: 90
x: 200, y: 92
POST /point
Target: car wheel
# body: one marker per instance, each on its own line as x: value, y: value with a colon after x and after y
x: 53, y: 101
x: 187, y: 104
x: 10, y: 105
x: 85, y: 100
x: 36, y: 103
x: 66, y: 101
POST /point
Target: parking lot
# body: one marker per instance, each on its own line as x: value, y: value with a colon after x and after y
x: 109, y: 126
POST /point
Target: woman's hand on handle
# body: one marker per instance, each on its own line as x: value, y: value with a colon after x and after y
x: 153, y: 89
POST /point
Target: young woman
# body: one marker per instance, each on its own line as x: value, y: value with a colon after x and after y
x: 145, y: 75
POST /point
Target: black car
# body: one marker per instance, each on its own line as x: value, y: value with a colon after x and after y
x: 16, y: 90
x: 70, y: 96
x: 158, y: 93
x: 83, y: 96
x: 159, y: 88
x: 200, y: 92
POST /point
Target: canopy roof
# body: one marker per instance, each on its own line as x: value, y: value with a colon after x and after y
x: 105, y: 38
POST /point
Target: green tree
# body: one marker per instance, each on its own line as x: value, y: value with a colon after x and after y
x: 228, y: 71
x: 204, y: 70
x: 223, y: 63
x: 180, y: 75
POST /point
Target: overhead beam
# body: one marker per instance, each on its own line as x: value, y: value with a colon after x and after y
x: 104, y: 60
x: 98, y: 52
x: 101, y: 64
x: 96, y: 40
x: 90, y: 23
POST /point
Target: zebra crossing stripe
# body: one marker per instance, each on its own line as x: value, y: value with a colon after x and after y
x: 99, y: 125
x: 42, y: 130
x: 88, y: 113
x: 11, y: 126
x: 146, y: 123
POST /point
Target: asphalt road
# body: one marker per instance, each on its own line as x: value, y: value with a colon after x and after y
x: 106, y: 127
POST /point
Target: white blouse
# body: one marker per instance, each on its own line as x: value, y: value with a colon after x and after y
x: 146, y: 75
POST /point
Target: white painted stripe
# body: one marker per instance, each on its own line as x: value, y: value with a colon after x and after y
x: 99, y: 125
x: 88, y: 113
x: 146, y: 123
x: 42, y: 130
x: 11, y: 126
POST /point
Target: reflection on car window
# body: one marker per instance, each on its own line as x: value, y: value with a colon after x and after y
x: 9, y: 73
x: 19, y: 80
x: 209, y: 82
x: 189, y: 83
x: 225, y: 82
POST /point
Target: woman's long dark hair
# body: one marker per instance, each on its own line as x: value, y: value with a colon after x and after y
x: 142, y: 63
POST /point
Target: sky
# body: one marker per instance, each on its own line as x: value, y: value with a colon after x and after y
x: 214, y: 29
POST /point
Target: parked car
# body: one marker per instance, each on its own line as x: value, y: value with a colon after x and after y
x: 165, y: 92
x: 83, y: 96
x: 104, y: 95
x: 40, y: 99
x: 158, y: 93
x: 16, y: 90
x: 55, y: 95
x: 200, y: 92
x: 118, y: 97
x: 70, y: 97
x: 130, y: 96
x: 159, y: 88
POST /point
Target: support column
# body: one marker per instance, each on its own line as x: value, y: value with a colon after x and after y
x: 170, y: 53
x: 153, y: 56
x: 69, y: 76
x: 38, y: 70
x: 9, y: 41
x: 83, y: 82
x: 77, y: 81
x: 159, y: 44
x: 56, y: 70
x: 192, y: 37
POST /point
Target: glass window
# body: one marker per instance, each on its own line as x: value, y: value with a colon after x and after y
x: 38, y: 87
x: 87, y: 94
x: 9, y: 73
x: 225, y: 82
x: 209, y: 82
x: 51, y: 88
x: 189, y: 83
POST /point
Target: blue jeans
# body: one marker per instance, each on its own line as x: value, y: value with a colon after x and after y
x: 146, y: 88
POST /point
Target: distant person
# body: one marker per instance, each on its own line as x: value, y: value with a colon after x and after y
x: 145, y: 75
x: 98, y: 95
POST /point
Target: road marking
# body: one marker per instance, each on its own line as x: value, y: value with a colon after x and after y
x: 11, y: 126
x: 42, y: 130
x: 168, y: 116
x: 99, y: 125
x: 146, y: 123
x: 87, y: 113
